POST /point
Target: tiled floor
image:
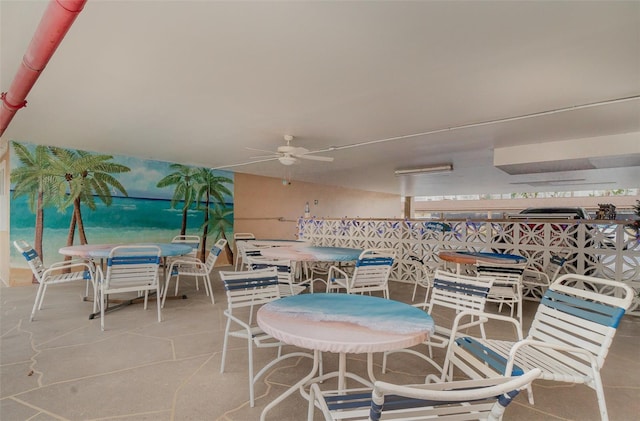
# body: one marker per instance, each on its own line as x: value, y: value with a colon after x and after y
x: 62, y: 367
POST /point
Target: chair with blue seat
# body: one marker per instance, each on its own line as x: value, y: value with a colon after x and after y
x: 191, y: 266
x: 454, y: 293
x: 240, y: 240
x: 288, y: 285
x: 535, y: 281
x: 56, y: 273
x: 371, y: 273
x: 246, y: 292
x: 507, y: 285
x: 133, y: 268
x: 569, y: 337
x: 192, y: 240
x: 484, y: 399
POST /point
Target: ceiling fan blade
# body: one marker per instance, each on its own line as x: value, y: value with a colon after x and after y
x: 262, y: 150
x: 273, y: 155
x: 315, y: 157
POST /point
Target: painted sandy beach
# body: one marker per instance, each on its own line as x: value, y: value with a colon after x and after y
x: 345, y: 323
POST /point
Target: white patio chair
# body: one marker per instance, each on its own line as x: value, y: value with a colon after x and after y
x: 484, y: 399
x: 507, y: 286
x: 418, y: 272
x: 455, y: 293
x: 568, y: 340
x: 56, y: 273
x: 240, y: 238
x: 535, y: 282
x: 133, y: 268
x: 246, y: 292
x: 192, y: 240
x: 285, y: 270
x: 371, y: 273
x: 195, y: 267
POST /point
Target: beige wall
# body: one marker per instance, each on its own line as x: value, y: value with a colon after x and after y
x: 267, y: 208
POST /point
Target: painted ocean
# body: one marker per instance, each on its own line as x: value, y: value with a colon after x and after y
x: 127, y: 220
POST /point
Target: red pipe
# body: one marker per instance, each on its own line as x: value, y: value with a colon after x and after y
x: 55, y: 22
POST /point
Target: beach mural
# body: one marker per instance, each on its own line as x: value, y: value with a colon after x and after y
x: 63, y: 197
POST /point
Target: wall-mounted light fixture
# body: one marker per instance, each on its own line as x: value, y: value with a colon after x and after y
x: 426, y: 170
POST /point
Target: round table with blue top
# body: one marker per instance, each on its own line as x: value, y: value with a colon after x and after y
x: 101, y: 251
x: 342, y: 323
x: 313, y: 253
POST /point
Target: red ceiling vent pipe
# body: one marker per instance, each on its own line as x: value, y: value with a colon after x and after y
x: 55, y: 23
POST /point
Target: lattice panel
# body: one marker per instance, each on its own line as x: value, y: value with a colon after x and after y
x: 609, y: 250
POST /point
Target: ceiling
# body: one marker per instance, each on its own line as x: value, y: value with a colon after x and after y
x: 379, y: 86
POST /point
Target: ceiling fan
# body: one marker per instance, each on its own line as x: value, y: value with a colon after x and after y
x: 289, y: 155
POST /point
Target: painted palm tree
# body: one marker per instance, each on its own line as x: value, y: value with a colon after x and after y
x: 184, y: 180
x: 209, y: 186
x: 34, y: 179
x: 85, y: 177
x: 220, y: 222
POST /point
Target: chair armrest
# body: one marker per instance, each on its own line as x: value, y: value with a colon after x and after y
x: 534, y: 273
x: 238, y: 321
x: 194, y: 262
x: 557, y: 347
x: 63, y: 264
x: 484, y: 317
x: 335, y: 269
x: 69, y: 265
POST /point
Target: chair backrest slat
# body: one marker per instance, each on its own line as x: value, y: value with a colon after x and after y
x: 31, y: 256
x: 128, y: 266
x: 571, y: 312
x: 250, y: 288
x: 459, y: 292
x: 215, y: 253
x: 372, y: 270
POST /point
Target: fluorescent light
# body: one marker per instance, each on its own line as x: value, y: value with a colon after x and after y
x: 425, y: 170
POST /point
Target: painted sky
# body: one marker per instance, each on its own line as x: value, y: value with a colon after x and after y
x: 144, y: 175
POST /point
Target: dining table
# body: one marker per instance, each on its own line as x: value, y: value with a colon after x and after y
x: 343, y: 324
x: 99, y: 252
x: 462, y: 257
x: 306, y: 255
x: 278, y: 243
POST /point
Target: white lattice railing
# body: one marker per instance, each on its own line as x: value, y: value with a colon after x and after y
x: 608, y: 249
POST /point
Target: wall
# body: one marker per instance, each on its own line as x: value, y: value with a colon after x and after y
x: 4, y: 215
x: 268, y: 208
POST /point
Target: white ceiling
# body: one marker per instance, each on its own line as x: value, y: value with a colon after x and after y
x: 196, y: 82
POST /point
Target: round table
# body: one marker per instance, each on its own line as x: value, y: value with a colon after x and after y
x: 101, y: 251
x: 312, y: 254
x: 278, y: 243
x: 342, y: 323
x: 474, y: 258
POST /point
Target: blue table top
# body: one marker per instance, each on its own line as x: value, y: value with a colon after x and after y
x: 345, y: 322
x: 101, y: 251
x: 312, y: 253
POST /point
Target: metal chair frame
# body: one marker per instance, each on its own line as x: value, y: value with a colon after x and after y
x: 569, y: 338
x: 133, y: 268
x: 484, y: 399
x: 57, y: 273
x: 246, y: 292
x: 191, y: 266
x: 371, y: 273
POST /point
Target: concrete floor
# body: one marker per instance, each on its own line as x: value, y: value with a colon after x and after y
x: 62, y: 366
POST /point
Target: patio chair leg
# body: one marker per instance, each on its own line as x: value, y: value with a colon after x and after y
x: 38, y: 302
x: 207, y: 284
